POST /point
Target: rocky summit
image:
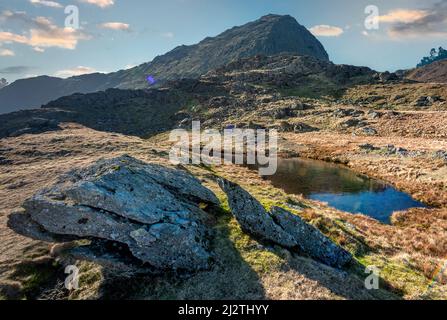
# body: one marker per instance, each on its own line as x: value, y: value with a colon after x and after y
x: 151, y: 209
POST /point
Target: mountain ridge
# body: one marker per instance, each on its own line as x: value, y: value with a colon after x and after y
x: 269, y: 35
x: 234, y: 87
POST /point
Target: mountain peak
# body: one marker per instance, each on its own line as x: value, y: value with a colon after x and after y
x: 276, y: 17
x: 270, y: 35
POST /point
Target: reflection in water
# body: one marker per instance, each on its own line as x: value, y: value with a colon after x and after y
x: 341, y: 188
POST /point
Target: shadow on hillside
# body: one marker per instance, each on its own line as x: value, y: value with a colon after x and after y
x: 348, y: 283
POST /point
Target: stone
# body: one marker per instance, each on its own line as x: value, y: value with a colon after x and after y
x: 353, y: 123
x: 374, y: 114
x: 283, y: 113
x: 441, y: 154
x: 35, y: 126
x: 310, y: 240
x: 368, y: 147
x: 392, y: 150
x: 342, y: 113
x: 252, y: 216
x: 282, y: 227
x: 423, y: 102
x: 302, y: 128
x: 298, y: 127
x: 5, y: 162
x: 220, y: 101
x: 151, y: 209
x: 388, y: 76
x: 369, y: 131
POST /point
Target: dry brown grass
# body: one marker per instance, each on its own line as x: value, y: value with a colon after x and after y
x: 398, y: 96
x: 408, y: 251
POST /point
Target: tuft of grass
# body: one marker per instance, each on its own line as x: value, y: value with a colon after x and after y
x: 35, y: 277
x: 410, y: 282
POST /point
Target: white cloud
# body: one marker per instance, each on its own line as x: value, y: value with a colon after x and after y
x: 43, y: 33
x: 8, y: 37
x: 324, y: 30
x: 403, y: 15
x: 428, y: 22
x: 116, y: 26
x: 6, y: 53
x: 51, y: 4
x: 40, y: 50
x: 77, y: 71
x: 100, y: 3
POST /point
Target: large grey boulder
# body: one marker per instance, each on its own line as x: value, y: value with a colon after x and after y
x: 309, y: 239
x: 151, y: 209
x: 282, y: 227
x: 252, y: 216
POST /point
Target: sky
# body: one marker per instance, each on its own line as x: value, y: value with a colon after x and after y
x: 40, y: 37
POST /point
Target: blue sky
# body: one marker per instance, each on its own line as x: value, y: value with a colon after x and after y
x: 117, y: 34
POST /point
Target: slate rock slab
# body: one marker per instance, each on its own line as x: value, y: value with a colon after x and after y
x: 153, y: 210
x: 282, y: 227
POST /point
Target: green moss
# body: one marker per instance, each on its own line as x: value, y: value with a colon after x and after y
x: 89, y: 278
x: 251, y: 251
x: 36, y: 276
x: 396, y: 274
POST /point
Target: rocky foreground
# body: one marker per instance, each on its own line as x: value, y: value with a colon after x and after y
x: 151, y: 209
x: 287, y: 247
x: 155, y: 212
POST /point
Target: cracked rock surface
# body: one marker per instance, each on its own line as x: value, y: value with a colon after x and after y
x: 151, y: 209
x: 282, y: 227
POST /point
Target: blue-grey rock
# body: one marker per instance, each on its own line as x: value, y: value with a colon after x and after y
x: 151, y: 209
x: 282, y: 227
x: 310, y: 240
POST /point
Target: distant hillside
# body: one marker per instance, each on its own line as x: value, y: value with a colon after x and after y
x: 433, y: 72
x: 34, y: 92
x: 270, y: 35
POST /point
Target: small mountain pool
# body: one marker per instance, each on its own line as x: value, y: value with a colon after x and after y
x: 341, y: 188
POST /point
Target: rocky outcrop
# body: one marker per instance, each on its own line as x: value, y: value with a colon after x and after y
x: 291, y: 72
x: 427, y: 101
x: 342, y: 113
x: 35, y: 126
x: 252, y: 216
x: 282, y: 227
x: 153, y: 210
x: 353, y: 123
x: 298, y: 127
x: 368, y: 131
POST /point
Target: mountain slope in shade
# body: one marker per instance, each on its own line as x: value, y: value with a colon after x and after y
x: 34, y: 92
x: 270, y: 35
x: 435, y: 72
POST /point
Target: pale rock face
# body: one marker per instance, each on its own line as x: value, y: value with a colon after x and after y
x: 151, y: 209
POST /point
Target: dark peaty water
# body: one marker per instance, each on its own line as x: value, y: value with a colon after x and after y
x: 341, y: 188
